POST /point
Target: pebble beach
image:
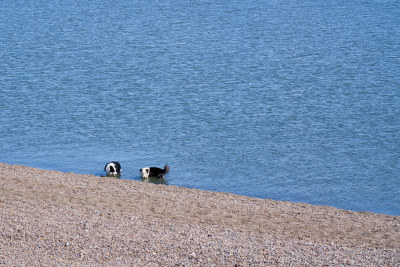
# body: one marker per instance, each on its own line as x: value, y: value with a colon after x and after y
x: 66, y: 219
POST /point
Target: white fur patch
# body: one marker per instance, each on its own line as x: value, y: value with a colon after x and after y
x: 145, y: 172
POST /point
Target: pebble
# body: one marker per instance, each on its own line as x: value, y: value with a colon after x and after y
x: 117, y: 223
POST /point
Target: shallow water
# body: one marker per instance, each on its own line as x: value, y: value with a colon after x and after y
x: 295, y: 101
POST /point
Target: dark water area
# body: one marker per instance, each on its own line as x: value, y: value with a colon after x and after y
x: 295, y: 100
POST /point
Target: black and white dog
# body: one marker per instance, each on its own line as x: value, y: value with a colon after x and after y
x: 154, y: 172
x: 112, y: 168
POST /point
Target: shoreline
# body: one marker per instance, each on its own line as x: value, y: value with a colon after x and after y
x: 50, y: 217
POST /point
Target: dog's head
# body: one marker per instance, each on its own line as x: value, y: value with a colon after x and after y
x: 145, y: 172
x: 111, y: 169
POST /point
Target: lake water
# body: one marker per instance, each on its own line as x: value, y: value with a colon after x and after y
x: 285, y: 100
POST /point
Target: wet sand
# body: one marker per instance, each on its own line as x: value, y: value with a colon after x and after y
x: 55, y: 218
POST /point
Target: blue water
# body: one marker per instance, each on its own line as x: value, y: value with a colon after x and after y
x: 285, y: 100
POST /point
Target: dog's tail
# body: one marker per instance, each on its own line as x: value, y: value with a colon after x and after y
x: 166, y: 168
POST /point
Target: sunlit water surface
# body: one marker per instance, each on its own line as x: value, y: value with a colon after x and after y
x: 285, y: 100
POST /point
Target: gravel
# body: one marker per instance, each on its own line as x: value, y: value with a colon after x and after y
x: 54, y: 218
